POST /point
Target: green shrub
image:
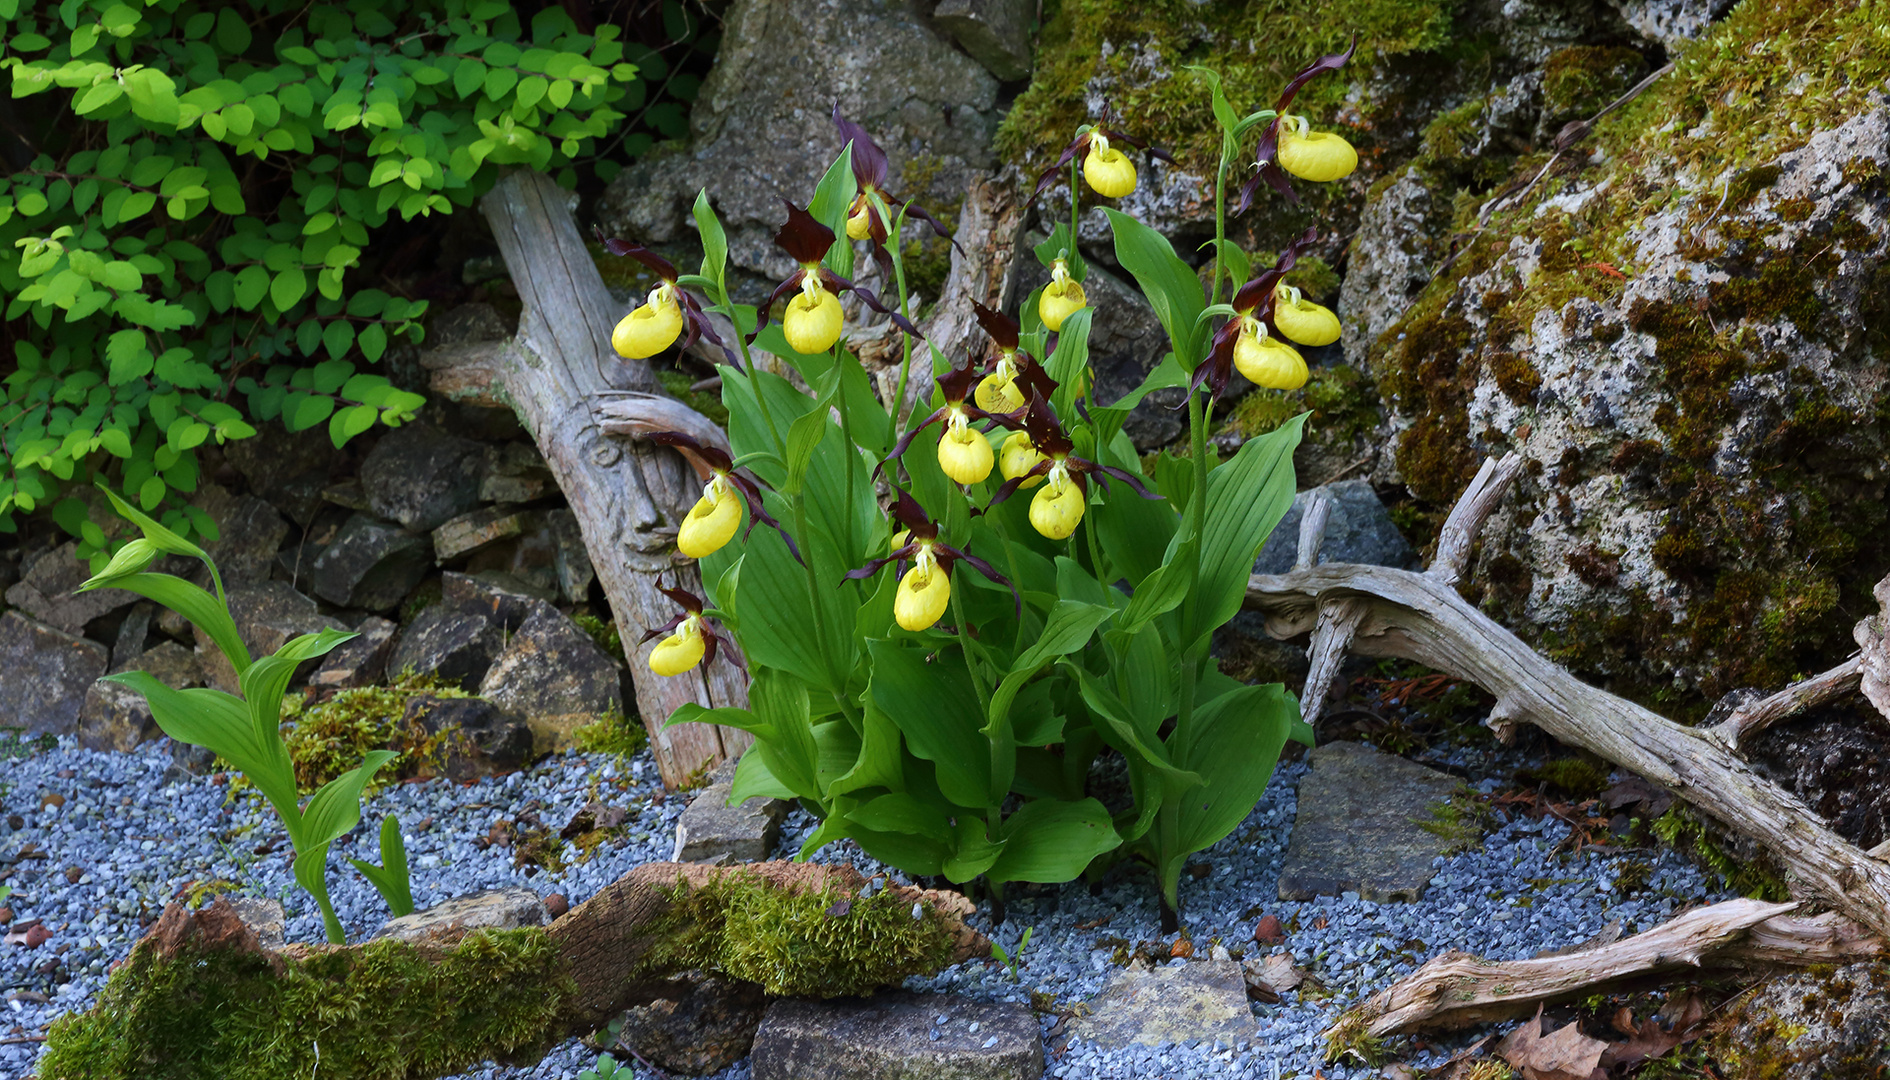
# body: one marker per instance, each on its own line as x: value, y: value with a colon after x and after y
x: 206, y: 177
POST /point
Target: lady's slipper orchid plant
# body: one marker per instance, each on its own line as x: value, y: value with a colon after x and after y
x: 1058, y: 506
x: 925, y: 590
x: 712, y: 521
x: 867, y: 214
x: 1062, y: 298
x: 1106, y: 169
x: 692, y: 638
x: 660, y: 319
x: 1248, y: 341
x: 1289, y: 145
x: 998, y: 391
x: 813, y: 318
x: 964, y: 454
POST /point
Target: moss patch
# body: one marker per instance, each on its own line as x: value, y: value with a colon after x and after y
x: 330, y: 738
x: 1580, y: 81
x: 817, y: 944
x: 1462, y: 821
x: 382, y: 1012
x: 1690, y: 837
x: 611, y: 733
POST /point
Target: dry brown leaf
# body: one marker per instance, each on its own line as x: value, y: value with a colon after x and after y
x: 1648, y: 1039
x: 1564, y: 1054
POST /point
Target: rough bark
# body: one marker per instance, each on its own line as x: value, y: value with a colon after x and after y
x: 1421, y: 617
x: 627, y: 497
x: 1458, y: 989
x: 1826, y: 686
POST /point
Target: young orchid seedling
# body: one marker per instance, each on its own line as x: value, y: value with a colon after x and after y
x: 1289, y: 145
x: 664, y: 314
x: 925, y: 590
x: 813, y: 318
x: 712, y: 521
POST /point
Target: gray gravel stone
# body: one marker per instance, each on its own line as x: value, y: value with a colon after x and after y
x: 48, y: 672
x: 711, y: 831
x: 1357, y: 831
x: 898, y: 1036
x: 1173, y: 1004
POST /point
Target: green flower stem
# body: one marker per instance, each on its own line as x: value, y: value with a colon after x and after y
x: 1095, y: 545
x: 1220, y: 217
x: 905, y: 340
x: 852, y: 453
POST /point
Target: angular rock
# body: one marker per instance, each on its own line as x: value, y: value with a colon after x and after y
x: 371, y: 564
x: 421, y: 477
x: 995, y: 32
x: 1359, y: 530
x: 466, y: 323
x: 573, y: 562
x: 498, y: 597
x: 267, y: 919
x: 48, y: 672
x: 1358, y: 830
x: 553, y: 673
x: 892, y: 1036
x: 278, y: 457
x: 133, y: 633
x: 45, y: 591
x: 492, y: 740
x: 1822, y: 1024
x: 469, y: 532
x: 347, y: 494
x: 1673, y: 23
x: 1178, y: 1003
x: 701, y: 1024
x: 1126, y: 341
x: 495, y: 909
x: 360, y: 661
x: 188, y: 761
x: 534, y: 558
x: 761, y: 126
x: 518, y: 474
x: 711, y: 831
x: 267, y: 614
x: 248, y: 533
x: 444, y: 640
x: 116, y: 717
x: 1402, y: 235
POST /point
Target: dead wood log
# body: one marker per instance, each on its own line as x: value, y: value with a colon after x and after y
x: 1459, y: 989
x: 434, y: 1006
x: 1744, y: 722
x: 1421, y: 617
x: 627, y: 497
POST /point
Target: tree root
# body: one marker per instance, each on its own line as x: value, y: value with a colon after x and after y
x: 201, y: 996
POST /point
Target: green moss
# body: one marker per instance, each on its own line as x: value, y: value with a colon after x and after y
x: 611, y: 733
x: 800, y: 944
x: 707, y: 403
x: 1462, y: 821
x: 1574, y: 776
x: 1580, y: 81
x: 1314, y: 277
x: 602, y: 631
x: 330, y: 738
x: 1255, y: 45
x: 380, y: 1012
x: 1685, y: 833
x: 1340, y: 398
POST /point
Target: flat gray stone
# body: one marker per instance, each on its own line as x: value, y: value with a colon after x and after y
x: 995, y: 32
x: 48, y: 672
x: 1174, y: 1004
x: 45, y: 591
x: 555, y: 675
x: 372, y: 564
x: 711, y: 831
x: 469, y: 532
x: 890, y: 1037
x: 1359, y: 530
x: 456, y: 644
x: 1358, y: 827
x: 422, y: 477
x: 494, y: 909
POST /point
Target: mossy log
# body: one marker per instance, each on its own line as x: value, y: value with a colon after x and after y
x: 1422, y: 617
x: 200, y: 998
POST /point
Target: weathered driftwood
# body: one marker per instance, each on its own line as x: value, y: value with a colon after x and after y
x: 627, y: 497
x: 1459, y: 990
x: 1421, y: 617
x: 1744, y: 722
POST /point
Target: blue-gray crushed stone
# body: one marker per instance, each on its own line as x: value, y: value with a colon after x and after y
x: 138, y: 841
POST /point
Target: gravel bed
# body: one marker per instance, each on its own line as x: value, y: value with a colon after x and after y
x: 137, y: 841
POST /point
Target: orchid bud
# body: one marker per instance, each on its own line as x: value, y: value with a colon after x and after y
x: 131, y: 559
x: 1303, y: 321
x: 710, y: 523
x: 1319, y: 156
x: 813, y: 318
x: 651, y: 328
x: 1018, y: 456
x: 1059, y: 506
x: 1267, y: 361
x: 923, y: 594
x: 1108, y: 171
x: 680, y: 651
x: 1062, y: 298
x: 860, y: 218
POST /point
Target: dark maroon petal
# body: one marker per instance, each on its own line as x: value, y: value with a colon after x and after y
x: 1000, y: 327
x: 689, y: 601
x: 1129, y: 478
x: 661, y: 266
x: 1009, y: 487
x: 804, y: 238
x: 869, y: 161
x: 1219, y: 363
x: 913, y: 516
x: 701, y: 327
x: 913, y: 209
x: 874, y: 566
x: 906, y: 439
x: 717, y: 459
x: 1049, y: 175
x: 1040, y: 420
x: 1034, y: 378
x: 1156, y: 153
x: 761, y: 313
x: 1258, y: 295
x: 883, y: 259
x: 956, y: 387
x: 663, y: 629
x: 839, y: 284
x: 1331, y: 62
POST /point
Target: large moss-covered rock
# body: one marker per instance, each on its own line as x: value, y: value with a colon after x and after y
x: 1679, y: 327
